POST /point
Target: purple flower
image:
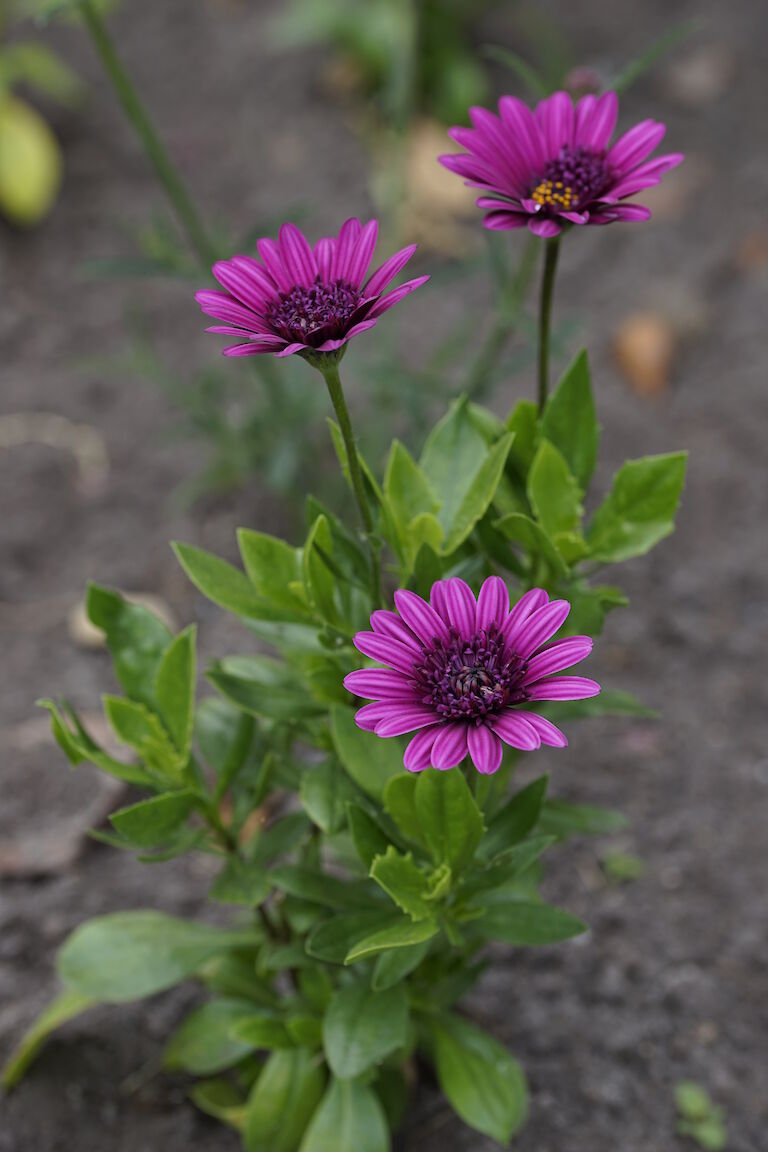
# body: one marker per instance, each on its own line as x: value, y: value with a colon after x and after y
x: 553, y: 167
x: 303, y: 299
x: 459, y: 669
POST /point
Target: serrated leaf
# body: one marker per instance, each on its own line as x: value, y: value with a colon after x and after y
x: 404, y: 882
x: 399, y: 934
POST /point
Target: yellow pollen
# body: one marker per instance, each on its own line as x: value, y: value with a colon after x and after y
x: 553, y: 194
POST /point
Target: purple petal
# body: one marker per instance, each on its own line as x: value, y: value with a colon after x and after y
x: 405, y: 720
x: 385, y: 649
x: 485, y: 748
x: 355, y: 330
x: 516, y: 730
x: 555, y: 116
x: 389, y: 270
x: 270, y: 254
x: 380, y: 684
x: 505, y: 221
x: 363, y: 253
x: 544, y: 226
x: 630, y: 212
x: 645, y: 176
x: 539, y: 627
x: 387, y: 623
x: 546, y: 730
x: 349, y: 235
x: 420, y: 617
x: 528, y: 603
x: 596, y: 129
x: 525, y: 130
x: 492, y: 604
x: 298, y: 257
x: 252, y: 348
x: 418, y: 754
x: 324, y: 250
x: 257, y: 273
x: 384, y: 303
x: 370, y: 715
x: 635, y: 145
x: 450, y: 746
x: 454, y: 601
x: 240, y: 285
x: 575, y: 217
x: 563, y: 688
x: 562, y: 654
x: 290, y: 349
x: 221, y: 306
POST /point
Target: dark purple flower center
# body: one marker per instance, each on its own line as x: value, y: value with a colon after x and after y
x: 315, y: 314
x: 464, y: 679
x: 573, y: 179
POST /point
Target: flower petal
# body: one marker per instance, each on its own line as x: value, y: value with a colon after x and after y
x: 515, y: 729
x: 384, y: 303
x: 388, y: 270
x: 324, y: 250
x: 420, y: 617
x: 380, y: 684
x: 544, y: 226
x: 387, y: 650
x: 297, y: 256
x: 492, y: 604
x: 370, y: 715
x: 635, y: 145
x: 349, y: 234
x: 450, y: 746
x: 405, y: 720
x: 563, y: 688
x: 547, y: 732
x: 556, y: 119
x: 503, y: 221
x: 363, y: 254
x: 270, y: 254
x: 562, y: 654
x: 527, y: 604
x: 418, y: 754
x: 597, y: 128
x: 387, y: 623
x: 485, y: 748
x: 454, y: 601
x: 540, y: 626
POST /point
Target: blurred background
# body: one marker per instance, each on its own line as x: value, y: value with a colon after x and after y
x: 121, y: 428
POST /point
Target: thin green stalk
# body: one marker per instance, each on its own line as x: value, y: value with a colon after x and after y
x: 330, y: 371
x: 144, y: 128
x: 551, y: 252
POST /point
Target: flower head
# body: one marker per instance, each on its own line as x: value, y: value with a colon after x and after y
x: 555, y: 166
x: 303, y: 299
x: 459, y: 671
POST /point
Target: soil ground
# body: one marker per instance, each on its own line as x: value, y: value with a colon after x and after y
x: 671, y: 982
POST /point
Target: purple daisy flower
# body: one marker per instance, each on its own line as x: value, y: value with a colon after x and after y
x: 459, y: 669
x: 303, y: 299
x: 553, y: 167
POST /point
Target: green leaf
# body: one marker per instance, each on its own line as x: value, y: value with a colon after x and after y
x: 450, y: 820
x: 36, y: 65
x: 608, y: 703
x: 400, y: 803
x: 521, y: 529
x: 243, y: 882
x: 563, y: 820
x: 224, y: 735
x: 527, y: 924
x: 264, y: 687
x: 404, y: 882
x: 78, y: 746
x: 319, y: 580
x: 554, y: 494
x: 361, y: 1027
x: 515, y: 820
x: 65, y: 1007
x: 225, y: 585
x: 370, y: 761
x: 320, y: 888
x: 127, y: 955
x: 282, y: 1101
x: 523, y: 423
x: 451, y: 457
x: 136, y: 640
x: 204, y: 1043
x: 325, y: 791
x: 175, y: 688
x: 640, y: 508
x: 408, y: 491
x: 368, y: 837
x: 262, y: 1030
x: 219, y: 1098
x: 482, y: 1082
x: 332, y: 940
x: 398, y: 934
x: 479, y: 495
x: 153, y: 821
x: 509, y: 865
x: 143, y: 731
x: 569, y: 421
x: 392, y: 967
x: 273, y: 568
x: 349, y: 1119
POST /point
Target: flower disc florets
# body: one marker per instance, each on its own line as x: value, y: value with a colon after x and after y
x: 458, y: 668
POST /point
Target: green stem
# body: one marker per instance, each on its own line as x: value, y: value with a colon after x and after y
x: 145, y: 130
x: 551, y: 252
x: 330, y: 371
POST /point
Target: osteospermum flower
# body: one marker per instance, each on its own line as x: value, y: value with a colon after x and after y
x: 459, y: 672
x: 554, y: 166
x: 303, y: 299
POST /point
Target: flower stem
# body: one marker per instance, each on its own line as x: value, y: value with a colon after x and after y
x: 145, y: 130
x: 551, y: 252
x: 330, y: 371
